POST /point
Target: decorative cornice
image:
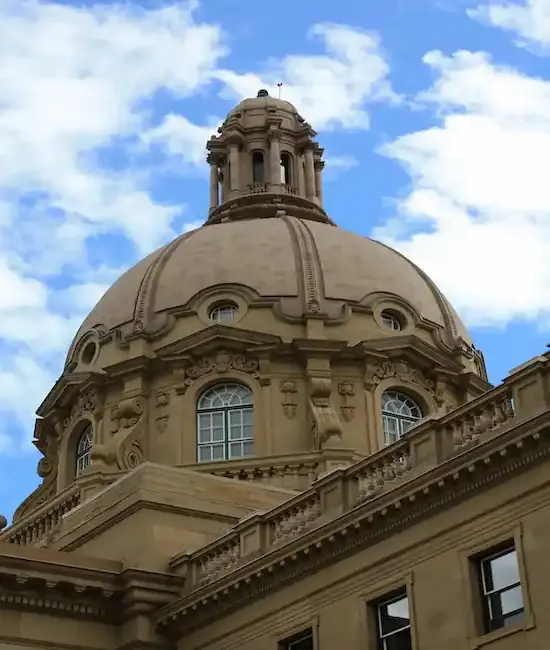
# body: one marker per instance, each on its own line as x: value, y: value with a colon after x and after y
x: 446, y: 484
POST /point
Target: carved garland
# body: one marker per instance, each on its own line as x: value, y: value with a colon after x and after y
x: 221, y: 362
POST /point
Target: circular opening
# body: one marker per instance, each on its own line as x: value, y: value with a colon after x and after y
x: 391, y: 321
x: 223, y: 313
x: 88, y: 353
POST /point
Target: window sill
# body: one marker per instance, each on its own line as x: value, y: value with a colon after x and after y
x: 485, y: 639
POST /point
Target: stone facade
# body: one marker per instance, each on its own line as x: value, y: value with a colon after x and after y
x: 272, y: 434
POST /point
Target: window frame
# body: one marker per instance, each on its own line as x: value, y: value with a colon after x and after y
x: 400, y: 419
x: 289, y: 642
x: 487, y: 593
x: 368, y: 602
x: 226, y: 412
x: 395, y: 597
x: 83, y: 458
x: 486, y: 546
x: 231, y: 307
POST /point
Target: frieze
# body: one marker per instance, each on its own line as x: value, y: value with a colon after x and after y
x: 222, y: 362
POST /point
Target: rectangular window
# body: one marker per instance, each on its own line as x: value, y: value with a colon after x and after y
x: 301, y: 641
x: 393, y: 622
x: 500, y: 586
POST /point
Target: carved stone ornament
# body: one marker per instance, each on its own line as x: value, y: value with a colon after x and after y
x: 162, y: 402
x: 289, y: 403
x: 127, y: 413
x: 347, y: 391
x: 399, y: 369
x: 326, y: 423
x: 223, y: 361
x: 88, y: 402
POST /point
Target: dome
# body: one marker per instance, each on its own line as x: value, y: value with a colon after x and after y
x: 265, y: 256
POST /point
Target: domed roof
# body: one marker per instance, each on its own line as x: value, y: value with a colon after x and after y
x: 267, y: 256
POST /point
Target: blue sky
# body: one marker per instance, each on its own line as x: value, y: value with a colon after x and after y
x: 434, y: 115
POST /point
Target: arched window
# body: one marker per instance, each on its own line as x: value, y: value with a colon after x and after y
x: 225, y: 426
x: 286, y: 164
x: 399, y: 413
x: 84, y: 451
x: 258, y: 171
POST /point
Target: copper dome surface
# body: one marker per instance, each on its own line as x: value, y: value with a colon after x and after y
x: 264, y: 255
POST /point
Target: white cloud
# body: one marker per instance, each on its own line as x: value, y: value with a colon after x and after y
x: 331, y: 89
x: 81, y: 84
x: 528, y: 19
x: 480, y: 189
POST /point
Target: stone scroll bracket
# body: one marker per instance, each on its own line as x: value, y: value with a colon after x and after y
x: 327, y: 427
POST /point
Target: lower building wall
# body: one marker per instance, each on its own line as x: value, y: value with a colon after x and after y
x: 32, y: 631
x: 433, y: 561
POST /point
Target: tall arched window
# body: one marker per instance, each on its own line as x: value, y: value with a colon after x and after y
x: 286, y: 165
x: 258, y: 171
x: 399, y: 413
x: 84, y: 451
x: 225, y: 425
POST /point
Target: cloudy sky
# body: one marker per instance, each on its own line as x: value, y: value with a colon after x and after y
x: 434, y: 115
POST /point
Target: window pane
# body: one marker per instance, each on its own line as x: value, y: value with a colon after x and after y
x: 503, y: 603
x: 248, y: 432
x: 217, y: 452
x: 248, y: 448
x: 399, y: 641
x: 393, y: 615
x: 217, y: 419
x: 248, y: 417
x: 205, y: 435
x: 217, y: 434
x: 306, y: 643
x: 235, y: 450
x: 501, y: 572
x: 204, y: 454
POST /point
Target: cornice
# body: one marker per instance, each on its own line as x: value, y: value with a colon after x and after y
x: 445, y: 485
x: 66, y: 388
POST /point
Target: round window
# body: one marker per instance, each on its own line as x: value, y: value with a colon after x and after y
x: 391, y: 321
x: 223, y: 314
x: 88, y: 353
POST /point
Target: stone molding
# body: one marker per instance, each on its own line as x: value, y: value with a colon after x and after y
x: 302, y: 553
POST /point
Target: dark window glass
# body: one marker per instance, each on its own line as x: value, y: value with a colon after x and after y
x: 501, y: 589
x: 258, y: 173
x: 394, y: 624
x: 286, y: 169
x: 302, y: 641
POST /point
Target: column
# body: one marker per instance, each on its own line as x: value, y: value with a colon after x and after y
x: 275, y: 162
x: 234, y: 175
x: 310, y: 175
x: 301, y: 178
x: 214, y: 188
x: 319, y: 164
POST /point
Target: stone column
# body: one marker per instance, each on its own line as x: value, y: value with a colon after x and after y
x: 234, y: 176
x: 300, y: 172
x: 310, y: 174
x: 214, y: 187
x: 275, y: 162
x: 319, y: 164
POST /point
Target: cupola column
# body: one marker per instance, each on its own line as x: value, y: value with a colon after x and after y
x: 234, y: 175
x: 310, y: 174
x: 319, y: 164
x: 214, y: 182
x: 274, y: 161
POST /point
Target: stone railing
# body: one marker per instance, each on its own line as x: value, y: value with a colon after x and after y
x: 296, y: 472
x: 34, y: 528
x: 257, y: 188
x: 522, y: 397
x: 289, y: 189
